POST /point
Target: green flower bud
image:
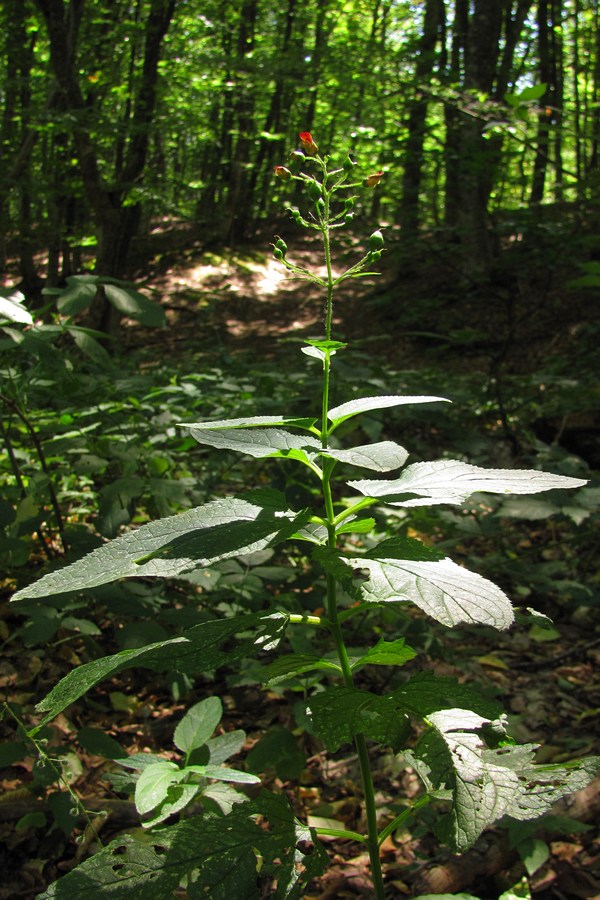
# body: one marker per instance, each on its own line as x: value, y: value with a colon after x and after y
x: 349, y: 217
x: 376, y: 241
x: 374, y: 256
x: 314, y: 190
x: 281, y: 246
x: 277, y: 253
x: 349, y: 202
x: 296, y: 160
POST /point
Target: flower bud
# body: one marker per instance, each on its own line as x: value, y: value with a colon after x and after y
x: 349, y: 217
x: 349, y: 203
x: 283, y: 173
x: 281, y: 245
x: 308, y: 145
x: 349, y: 164
x: 373, y: 256
x: 373, y: 179
x: 376, y: 241
x: 314, y: 190
x: 296, y: 160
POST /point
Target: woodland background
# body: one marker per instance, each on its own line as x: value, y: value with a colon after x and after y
x: 137, y: 142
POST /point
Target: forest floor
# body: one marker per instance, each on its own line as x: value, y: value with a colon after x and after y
x: 419, y: 315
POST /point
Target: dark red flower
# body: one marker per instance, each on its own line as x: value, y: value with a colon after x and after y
x: 373, y: 179
x: 308, y: 145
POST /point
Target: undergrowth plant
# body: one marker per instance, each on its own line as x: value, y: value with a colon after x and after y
x: 249, y: 842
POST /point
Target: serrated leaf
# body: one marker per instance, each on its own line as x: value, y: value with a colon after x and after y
x: 488, y: 784
x: 201, y: 648
x: 220, y: 852
x: 339, y: 713
x: 258, y: 442
x: 365, y: 404
x: 453, y: 481
x: 198, y: 724
x: 168, y: 547
x: 131, y: 303
x: 252, y: 422
x: 441, y: 588
x: 380, y: 457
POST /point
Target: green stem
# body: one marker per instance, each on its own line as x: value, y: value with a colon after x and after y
x: 372, y: 839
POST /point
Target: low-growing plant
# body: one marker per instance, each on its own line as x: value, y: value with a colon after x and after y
x: 450, y: 732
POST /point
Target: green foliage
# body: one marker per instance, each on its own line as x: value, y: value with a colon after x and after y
x: 466, y: 761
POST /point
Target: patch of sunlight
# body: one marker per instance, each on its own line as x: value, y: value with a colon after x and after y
x: 273, y: 274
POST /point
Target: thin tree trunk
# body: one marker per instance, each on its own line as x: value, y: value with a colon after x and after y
x: 417, y: 118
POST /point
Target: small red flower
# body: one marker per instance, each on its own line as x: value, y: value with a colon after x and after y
x: 373, y: 179
x: 282, y: 173
x: 308, y: 145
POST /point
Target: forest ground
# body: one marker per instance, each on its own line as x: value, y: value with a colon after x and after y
x: 419, y: 316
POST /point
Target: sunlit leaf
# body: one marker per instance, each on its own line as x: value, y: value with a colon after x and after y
x: 340, y: 413
x: 177, y: 544
x: 453, y: 481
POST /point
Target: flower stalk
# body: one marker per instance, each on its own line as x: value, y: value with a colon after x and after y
x: 321, y: 190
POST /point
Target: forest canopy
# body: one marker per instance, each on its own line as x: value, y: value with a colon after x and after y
x: 117, y: 116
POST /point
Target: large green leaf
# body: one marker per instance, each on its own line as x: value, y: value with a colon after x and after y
x: 487, y: 784
x: 258, y: 442
x: 365, y: 404
x: 12, y: 309
x: 77, y: 295
x: 177, y: 544
x: 339, y: 713
x: 131, y: 303
x: 200, y: 649
x: 219, y: 856
x: 441, y: 588
x: 453, y: 481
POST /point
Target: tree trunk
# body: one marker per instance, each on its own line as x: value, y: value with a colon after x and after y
x: 116, y: 223
x: 540, y: 165
x: 417, y: 118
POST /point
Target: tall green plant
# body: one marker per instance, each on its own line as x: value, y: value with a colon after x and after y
x: 462, y: 754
